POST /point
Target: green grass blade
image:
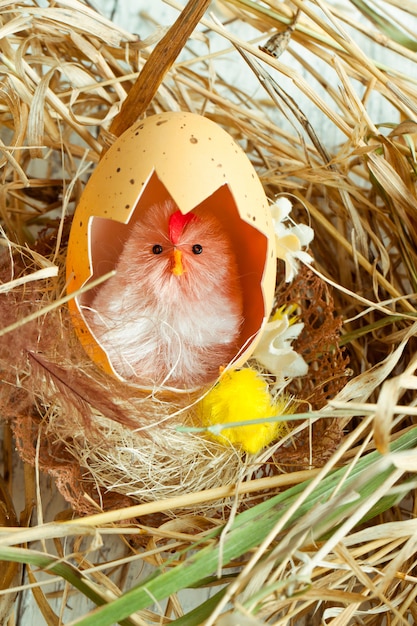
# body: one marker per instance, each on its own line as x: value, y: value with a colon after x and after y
x: 250, y: 528
x: 56, y: 566
x: 386, y: 26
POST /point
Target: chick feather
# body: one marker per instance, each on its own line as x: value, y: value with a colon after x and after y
x: 172, y: 313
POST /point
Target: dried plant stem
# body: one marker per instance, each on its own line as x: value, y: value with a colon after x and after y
x: 189, y: 499
x: 161, y: 492
x: 47, y: 308
x: 363, y: 262
x: 158, y: 64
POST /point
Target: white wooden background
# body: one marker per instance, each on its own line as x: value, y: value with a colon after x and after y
x: 128, y: 14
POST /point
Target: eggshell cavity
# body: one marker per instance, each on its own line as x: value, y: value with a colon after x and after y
x: 195, y: 162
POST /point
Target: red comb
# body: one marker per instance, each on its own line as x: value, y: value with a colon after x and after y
x: 176, y: 224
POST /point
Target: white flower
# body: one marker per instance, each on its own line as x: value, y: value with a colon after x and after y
x: 274, y: 350
x: 290, y: 240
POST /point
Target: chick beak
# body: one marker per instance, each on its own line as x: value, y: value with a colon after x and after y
x: 177, y: 267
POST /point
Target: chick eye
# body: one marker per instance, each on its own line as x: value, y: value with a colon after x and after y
x: 197, y: 249
x: 157, y: 249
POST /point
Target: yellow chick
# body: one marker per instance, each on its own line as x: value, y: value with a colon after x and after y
x: 239, y: 396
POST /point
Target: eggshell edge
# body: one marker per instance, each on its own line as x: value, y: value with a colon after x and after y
x: 128, y: 187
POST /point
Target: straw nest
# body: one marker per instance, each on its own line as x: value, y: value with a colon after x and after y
x: 103, y: 439
x: 66, y: 73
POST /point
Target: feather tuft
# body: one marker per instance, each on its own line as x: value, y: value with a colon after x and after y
x: 238, y: 397
x: 82, y: 392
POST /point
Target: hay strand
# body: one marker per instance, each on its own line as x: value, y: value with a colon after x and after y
x: 320, y: 526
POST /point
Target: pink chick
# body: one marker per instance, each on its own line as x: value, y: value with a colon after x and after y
x: 172, y: 313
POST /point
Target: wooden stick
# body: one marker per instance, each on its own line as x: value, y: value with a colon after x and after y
x: 160, y: 60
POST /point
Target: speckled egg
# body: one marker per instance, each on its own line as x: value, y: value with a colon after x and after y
x: 191, y: 160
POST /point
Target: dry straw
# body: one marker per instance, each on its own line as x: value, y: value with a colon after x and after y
x: 319, y: 528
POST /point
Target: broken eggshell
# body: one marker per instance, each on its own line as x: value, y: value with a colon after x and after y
x: 193, y: 161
